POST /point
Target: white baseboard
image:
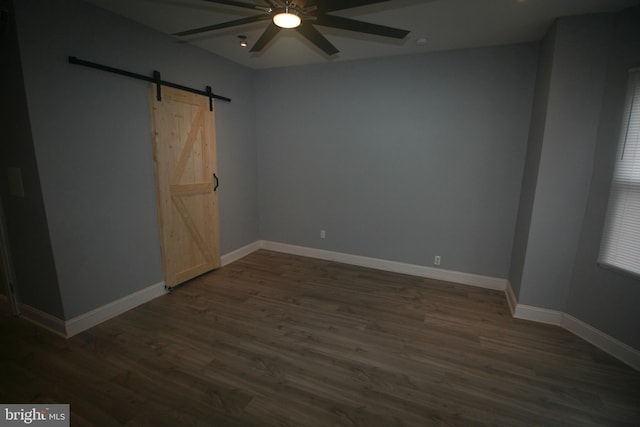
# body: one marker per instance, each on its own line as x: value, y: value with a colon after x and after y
x: 538, y: 314
x: 530, y: 312
x: 94, y: 317
x: 376, y: 263
x: 241, y: 252
x: 604, y: 342
x: 44, y: 320
x: 393, y: 266
x: 614, y: 347
x: 585, y: 331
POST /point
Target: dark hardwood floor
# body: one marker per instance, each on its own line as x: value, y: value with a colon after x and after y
x: 279, y: 340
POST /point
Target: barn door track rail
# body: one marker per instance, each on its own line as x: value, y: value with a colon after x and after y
x: 153, y: 79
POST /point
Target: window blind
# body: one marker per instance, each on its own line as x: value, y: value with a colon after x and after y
x: 620, y: 247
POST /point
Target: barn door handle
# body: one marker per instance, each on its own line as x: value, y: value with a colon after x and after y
x: 215, y: 187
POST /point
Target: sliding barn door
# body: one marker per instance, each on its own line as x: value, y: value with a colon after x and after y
x: 184, y: 147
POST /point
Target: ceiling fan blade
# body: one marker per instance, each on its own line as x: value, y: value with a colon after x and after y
x: 266, y: 37
x: 360, y: 26
x: 240, y: 4
x: 314, y: 36
x: 228, y: 24
x: 331, y: 5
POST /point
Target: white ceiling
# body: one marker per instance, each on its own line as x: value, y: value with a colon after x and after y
x: 446, y: 25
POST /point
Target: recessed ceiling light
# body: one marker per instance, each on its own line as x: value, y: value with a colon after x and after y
x: 421, y: 41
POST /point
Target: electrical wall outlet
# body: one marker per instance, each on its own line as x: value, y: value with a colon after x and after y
x: 436, y: 260
x: 323, y: 234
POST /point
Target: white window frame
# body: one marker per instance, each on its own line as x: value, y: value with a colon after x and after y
x: 620, y: 245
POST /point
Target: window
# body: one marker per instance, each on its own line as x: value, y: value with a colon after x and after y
x: 620, y: 246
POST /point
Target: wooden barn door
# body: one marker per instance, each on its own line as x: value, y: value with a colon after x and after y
x: 184, y: 148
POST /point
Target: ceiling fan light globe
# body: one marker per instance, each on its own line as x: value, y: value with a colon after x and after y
x: 286, y: 20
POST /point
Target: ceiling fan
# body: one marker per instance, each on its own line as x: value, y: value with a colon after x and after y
x: 302, y: 15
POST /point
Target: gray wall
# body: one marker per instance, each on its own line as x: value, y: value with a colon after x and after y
x: 532, y: 160
x: 580, y: 49
x: 401, y: 158
x: 605, y: 299
x: 91, y: 132
x: 25, y: 216
x: 575, y: 131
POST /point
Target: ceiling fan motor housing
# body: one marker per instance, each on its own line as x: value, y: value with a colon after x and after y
x: 290, y: 14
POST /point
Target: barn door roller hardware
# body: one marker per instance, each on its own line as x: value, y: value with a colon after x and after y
x: 153, y: 79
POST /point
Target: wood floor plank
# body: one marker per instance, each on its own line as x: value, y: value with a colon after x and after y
x: 281, y: 340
